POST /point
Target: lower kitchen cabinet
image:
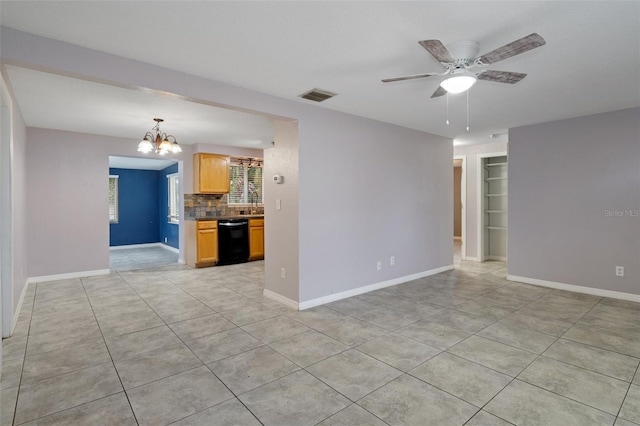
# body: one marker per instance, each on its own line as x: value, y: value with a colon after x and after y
x: 202, y: 243
x: 256, y: 239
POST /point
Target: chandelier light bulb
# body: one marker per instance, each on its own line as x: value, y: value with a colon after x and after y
x: 145, y: 146
x: 165, y: 145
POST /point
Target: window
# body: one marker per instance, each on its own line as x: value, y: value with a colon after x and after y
x: 113, y: 198
x: 174, y: 199
x: 246, y: 183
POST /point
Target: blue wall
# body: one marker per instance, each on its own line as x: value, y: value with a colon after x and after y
x: 143, y: 208
x: 137, y: 208
x: 168, y: 231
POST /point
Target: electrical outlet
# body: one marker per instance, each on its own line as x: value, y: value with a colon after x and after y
x: 278, y: 204
x: 379, y: 265
x: 392, y: 260
x: 620, y: 271
x: 282, y: 273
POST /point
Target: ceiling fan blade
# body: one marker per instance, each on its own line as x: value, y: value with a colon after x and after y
x: 437, y: 49
x: 514, y: 48
x: 408, y: 77
x: 439, y: 92
x: 502, y: 76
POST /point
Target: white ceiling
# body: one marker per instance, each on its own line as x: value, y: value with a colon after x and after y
x: 590, y: 64
x: 139, y: 163
x: 55, y: 102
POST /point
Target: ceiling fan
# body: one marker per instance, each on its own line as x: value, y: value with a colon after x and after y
x: 461, y: 59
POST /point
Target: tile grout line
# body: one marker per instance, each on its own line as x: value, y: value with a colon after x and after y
x: 513, y: 378
x: 585, y: 368
x: 56, y: 375
x: 24, y: 358
x: 535, y: 359
x: 550, y: 391
x: 194, y: 354
x: 110, y: 356
x: 627, y: 393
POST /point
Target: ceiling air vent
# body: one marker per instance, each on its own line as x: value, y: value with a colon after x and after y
x: 317, y: 95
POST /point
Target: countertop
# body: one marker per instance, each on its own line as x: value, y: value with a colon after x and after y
x: 244, y: 216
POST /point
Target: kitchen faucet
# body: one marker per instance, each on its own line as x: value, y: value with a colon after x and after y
x: 254, y: 196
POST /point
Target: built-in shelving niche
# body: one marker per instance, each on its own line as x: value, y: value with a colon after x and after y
x: 494, y: 207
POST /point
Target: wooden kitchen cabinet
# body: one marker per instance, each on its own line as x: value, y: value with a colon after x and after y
x: 211, y: 173
x: 256, y: 239
x: 202, y: 243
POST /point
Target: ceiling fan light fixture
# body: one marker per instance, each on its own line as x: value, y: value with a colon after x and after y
x: 458, y: 83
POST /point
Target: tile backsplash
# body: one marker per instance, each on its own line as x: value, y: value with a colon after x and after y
x: 199, y: 206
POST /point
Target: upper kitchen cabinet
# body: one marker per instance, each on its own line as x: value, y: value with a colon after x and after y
x: 211, y: 173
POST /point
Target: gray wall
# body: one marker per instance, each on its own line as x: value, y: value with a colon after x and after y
x: 566, y: 180
x: 471, y: 210
x: 368, y: 191
x: 15, y: 203
x: 19, y: 190
x: 282, y: 248
x: 68, y: 226
x: 344, y: 224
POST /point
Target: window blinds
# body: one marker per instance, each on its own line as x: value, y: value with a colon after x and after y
x: 113, y: 198
x: 246, y: 183
x: 174, y: 202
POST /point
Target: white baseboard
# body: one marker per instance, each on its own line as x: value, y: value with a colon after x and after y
x: 473, y: 259
x: 168, y: 247
x: 500, y: 258
x: 281, y: 299
x: 57, y: 277
x: 135, y: 246
x: 457, y: 238
x: 182, y: 261
x: 16, y: 314
x: 146, y: 245
x: 577, y: 288
x: 360, y: 290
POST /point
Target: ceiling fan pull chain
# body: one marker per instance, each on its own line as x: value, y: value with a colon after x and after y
x: 447, y: 120
x: 467, y: 110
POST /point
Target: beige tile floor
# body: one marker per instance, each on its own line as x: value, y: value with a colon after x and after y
x: 128, y: 259
x: 180, y: 346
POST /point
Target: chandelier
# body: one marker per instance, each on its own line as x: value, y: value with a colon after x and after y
x: 158, y: 143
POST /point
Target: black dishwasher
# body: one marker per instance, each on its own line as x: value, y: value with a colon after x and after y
x: 233, y: 241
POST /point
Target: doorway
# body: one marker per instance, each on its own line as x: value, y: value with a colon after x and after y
x: 144, y: 212
x: 459, y: 205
